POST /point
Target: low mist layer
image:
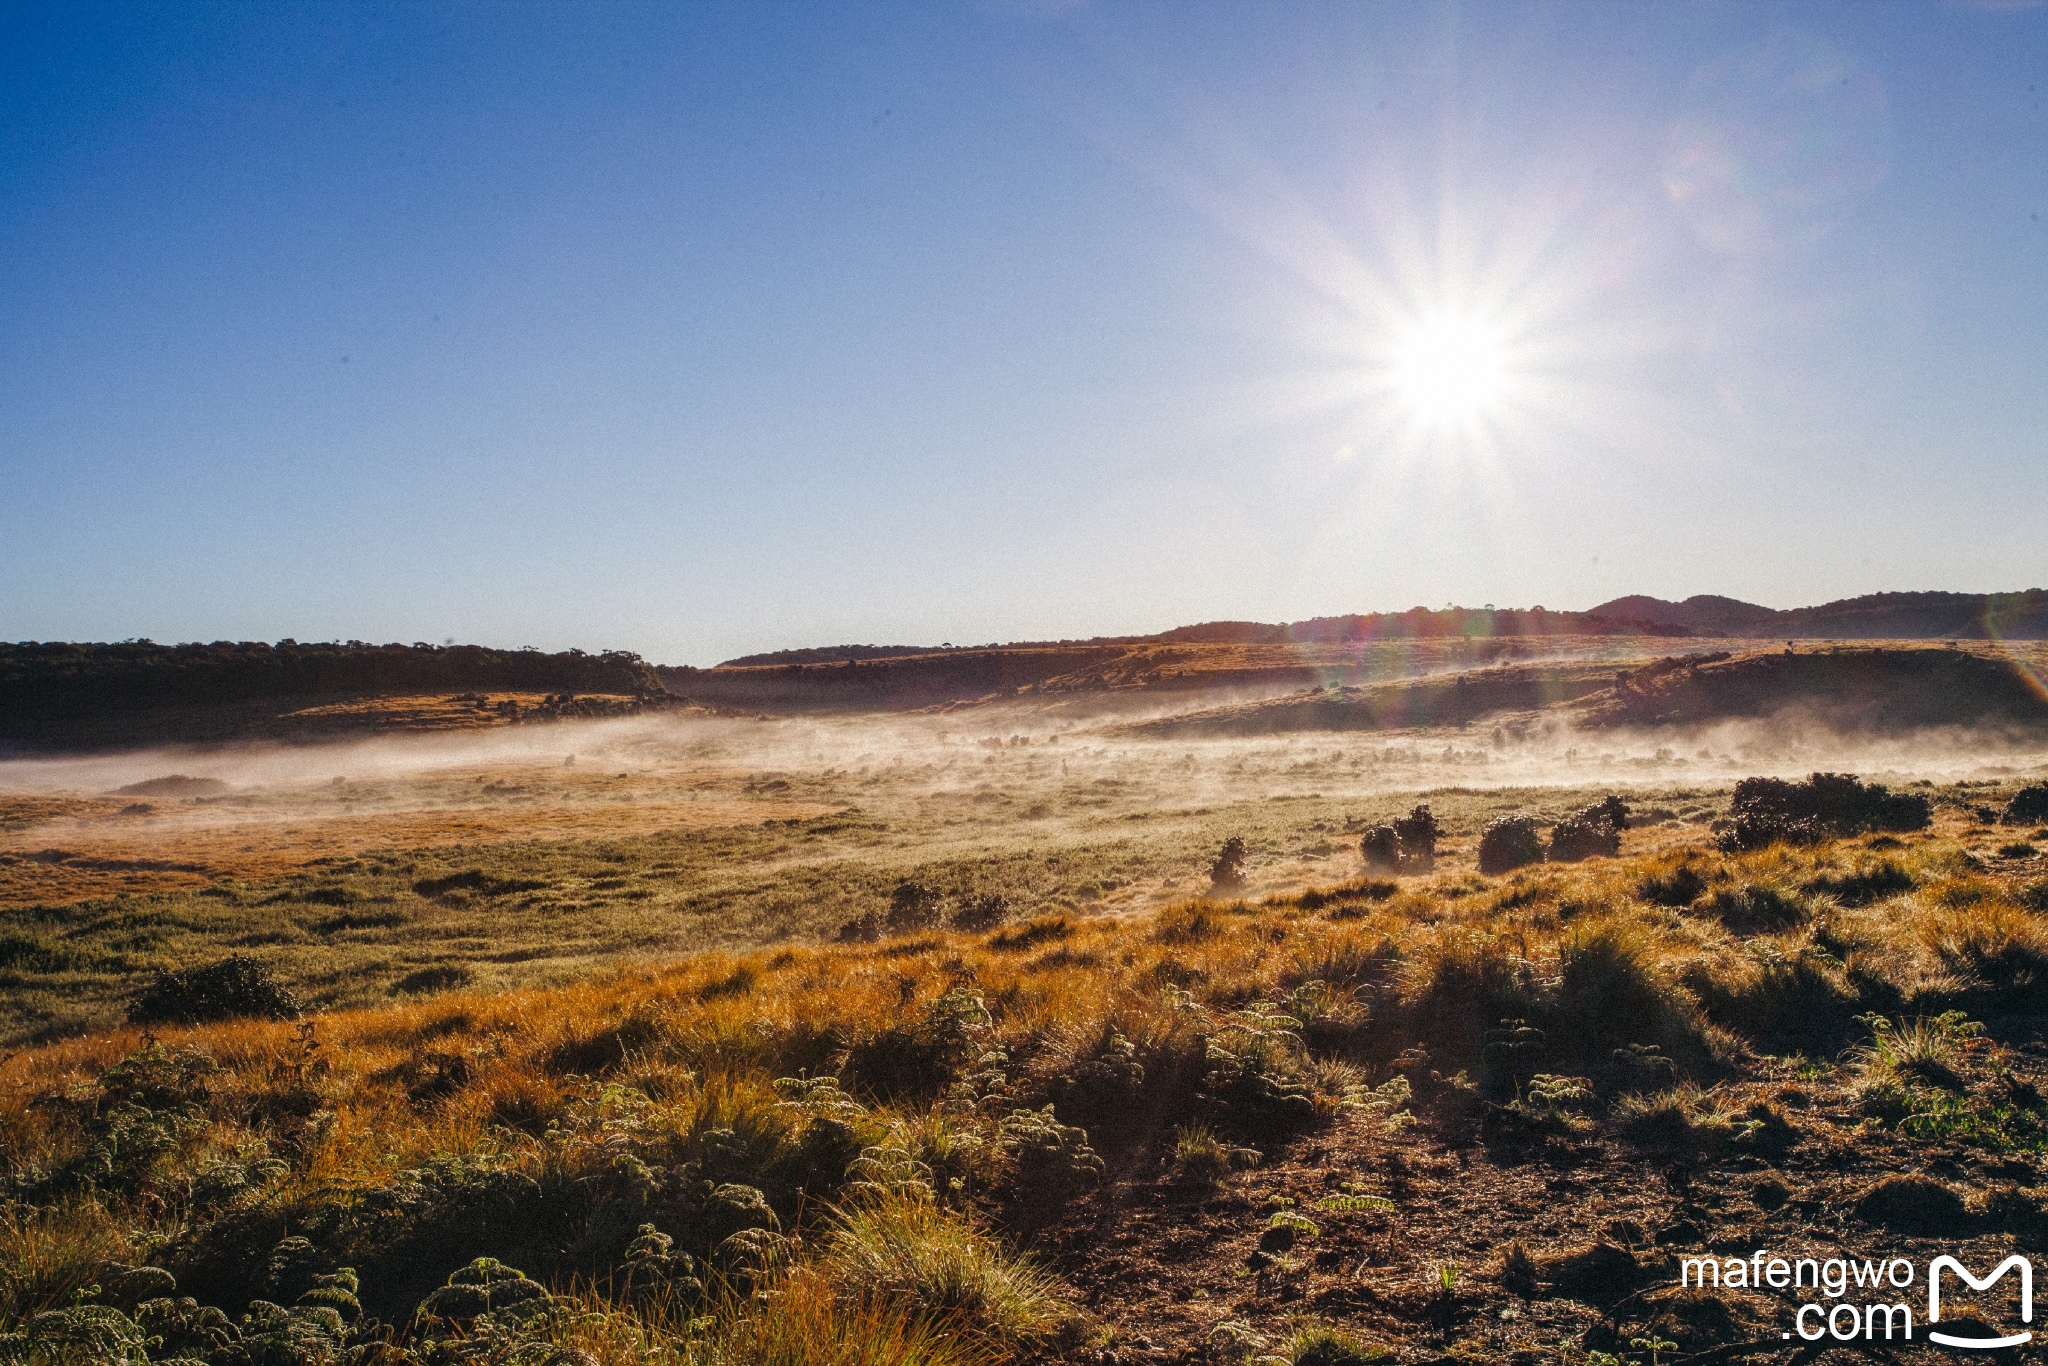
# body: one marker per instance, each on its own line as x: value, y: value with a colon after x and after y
x: 532, y: 853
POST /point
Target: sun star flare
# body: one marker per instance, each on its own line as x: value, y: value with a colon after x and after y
x: 1451, y: 370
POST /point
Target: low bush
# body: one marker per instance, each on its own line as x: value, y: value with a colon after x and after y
x: 1319, y: 1345
x: 982, y: 913
x: 1407, y: 845
x: 913, y: 906
x: 1052, y: 1160
x: 1381, y: 849
x: 1203, y: 1159
x: 2029, y: 806
x: 239, y: 987
x: 439, y: 977
x: 1769, y: 811
x: 1104, y: 1084
x: 1780, y: 1002
x: 1594, y: 832
x: 1255, y: 1080
x: 49, y: 1256
x: 1457, y: 987
x: 922, y: 1055
x: 1508, y: 843
x: 1611, y: 994
x: 1416, y: 834
x: 1997, y: 950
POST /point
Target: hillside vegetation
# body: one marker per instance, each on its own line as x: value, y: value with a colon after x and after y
x: 72, y: 696
x: 1076, y: 675
x: 1874, y: 616
x: 1849, y: 689
x: 1428, y: 1117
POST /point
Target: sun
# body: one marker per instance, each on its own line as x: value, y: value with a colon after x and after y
x: 1451, y: 370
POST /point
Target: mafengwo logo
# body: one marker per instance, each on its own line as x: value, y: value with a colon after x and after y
x: 1871, y: 1300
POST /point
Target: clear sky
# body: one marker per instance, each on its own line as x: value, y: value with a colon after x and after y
x: 697, y: 329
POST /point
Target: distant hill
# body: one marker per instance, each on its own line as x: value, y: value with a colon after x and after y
x: 1242, y: 656
x: 1875, y: 616
x: 1847, y: 688
x: 94, y: 695
x: 1417, y: 623
x: 1255, y: 657
x: 1857, y: 688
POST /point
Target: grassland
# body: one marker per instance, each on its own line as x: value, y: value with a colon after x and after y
x: 1446, y: 1115
x: 526, y: 856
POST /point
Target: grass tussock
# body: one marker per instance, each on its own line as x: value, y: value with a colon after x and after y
x: 903, y: 1249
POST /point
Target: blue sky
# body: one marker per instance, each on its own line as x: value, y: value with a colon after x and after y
x: 702, y: 329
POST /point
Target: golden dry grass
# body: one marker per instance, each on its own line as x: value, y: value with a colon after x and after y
x: 430, y: 711
x: 90, y: 850
x: 1322, y: 994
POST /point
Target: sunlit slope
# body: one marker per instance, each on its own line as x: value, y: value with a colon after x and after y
x: 1170, y: 670
x: 1445, y: 700
x: 1852, y: 689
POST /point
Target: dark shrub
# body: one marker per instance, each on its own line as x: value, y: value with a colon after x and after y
x: 1508, y: 843
x: 864, y: 928
x: 2028, y: 805
x: 914, y: 906
x: 1226, y: 874
x: 1457, y: 990
x: 1053, y: 1160
x: 236, y: 987
x: 1761, y: 832
x: 485, y: 1284
x: 1381, y: 849
x: 474, y: 880
x: 1416, y: 834
x: 1592, y: 833
x: 1347, y: 896
x: 1031, y: 933
x: 982, y: 913
x: 1770, y: 810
